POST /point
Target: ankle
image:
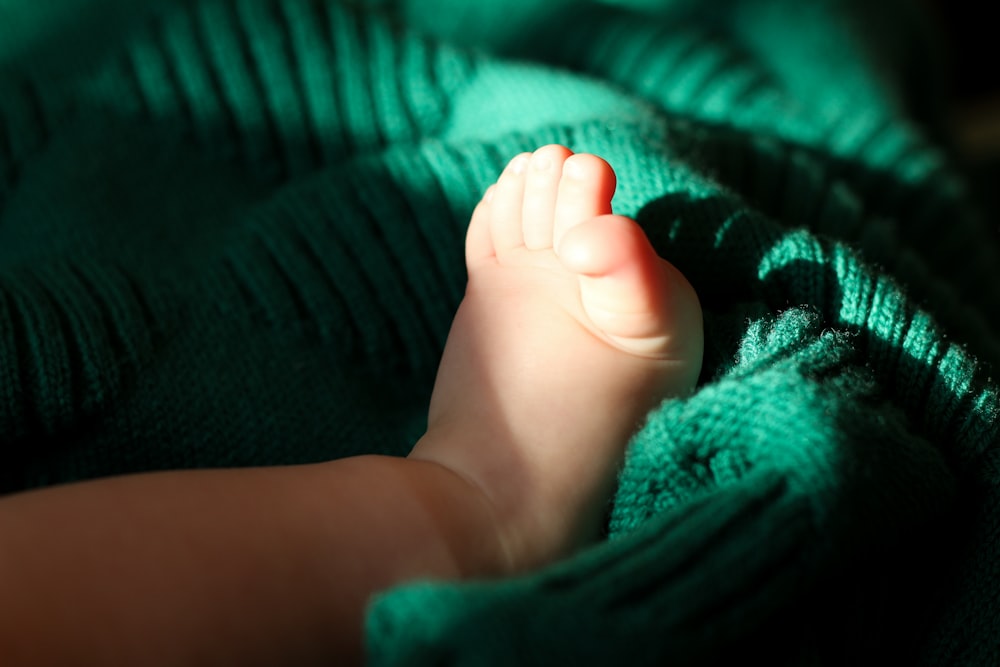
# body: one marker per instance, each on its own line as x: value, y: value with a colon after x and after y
x: 532, y: 517
x: 467, y: 521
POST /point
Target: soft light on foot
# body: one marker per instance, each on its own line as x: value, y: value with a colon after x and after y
x: 571, y: 330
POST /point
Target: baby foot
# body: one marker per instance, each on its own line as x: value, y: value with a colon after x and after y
x: 571, y: 330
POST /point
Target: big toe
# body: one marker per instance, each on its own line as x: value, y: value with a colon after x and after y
x: 633, y: 298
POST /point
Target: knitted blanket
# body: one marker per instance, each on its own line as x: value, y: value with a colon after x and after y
x: 231, y: 234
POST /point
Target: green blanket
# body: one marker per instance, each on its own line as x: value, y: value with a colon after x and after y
x: 231, y: 234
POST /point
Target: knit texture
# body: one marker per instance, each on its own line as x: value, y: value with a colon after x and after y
x: 231, y: 234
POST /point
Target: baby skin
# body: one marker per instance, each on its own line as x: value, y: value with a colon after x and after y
x: 571, y: 329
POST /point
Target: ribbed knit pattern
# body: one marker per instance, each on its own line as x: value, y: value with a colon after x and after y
x: 231, y: 234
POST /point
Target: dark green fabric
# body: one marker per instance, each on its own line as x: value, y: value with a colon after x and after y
x: 231, y: 234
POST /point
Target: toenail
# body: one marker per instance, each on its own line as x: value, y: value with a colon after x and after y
x: 572, y: 169
x: 541, y: 162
